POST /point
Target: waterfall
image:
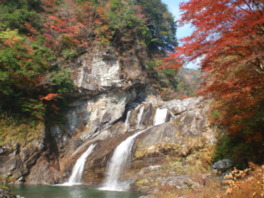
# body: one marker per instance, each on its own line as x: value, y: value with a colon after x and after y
x: 78, y: 168
x: 139, y: 117
x: 119, y: 160
x: 160, y: 116
x: 127, y: 120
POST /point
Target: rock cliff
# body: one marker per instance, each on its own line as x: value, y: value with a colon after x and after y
x: 105, y: 86
x: 112, y: 103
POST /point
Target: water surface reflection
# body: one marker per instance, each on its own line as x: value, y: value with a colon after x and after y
x: 29, y: 191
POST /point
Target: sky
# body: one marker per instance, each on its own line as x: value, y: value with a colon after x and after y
x: 173, y: 6
x: 186, y: 30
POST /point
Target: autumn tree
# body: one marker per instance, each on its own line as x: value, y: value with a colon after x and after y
x: 228, y: 37
x: 26, y: 70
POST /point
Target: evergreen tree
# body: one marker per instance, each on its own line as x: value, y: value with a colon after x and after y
x: 161, y: 24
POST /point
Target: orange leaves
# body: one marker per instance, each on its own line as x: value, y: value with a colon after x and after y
x: 223, y: 28
x: 229, y: 37
x: 245, y: 183
x: 71, y: 21
x: 10, y: 37
x: 55, y: 18
x: 66, y: 26
x: 9, y: 42
x: 49, y: 97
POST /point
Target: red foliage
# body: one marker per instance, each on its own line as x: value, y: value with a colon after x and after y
x: 223, y: 28
x: 49, y: 97
x: 229, y: 39
x: 69, y: 25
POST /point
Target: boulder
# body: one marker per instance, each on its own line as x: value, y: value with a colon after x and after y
x: 222, y: 165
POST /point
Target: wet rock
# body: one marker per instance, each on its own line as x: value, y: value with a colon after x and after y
x: 44, y: 172
x: 158, y: 134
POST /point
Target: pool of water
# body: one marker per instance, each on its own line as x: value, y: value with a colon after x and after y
x: 30, y: 191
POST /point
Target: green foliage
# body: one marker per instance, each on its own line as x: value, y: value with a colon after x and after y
x: 161, y: 24
x: 183, y: 87
x: 153, y: 63
x: 223, y: 148
x: 15, y: 14
x: 61, y: 81
x: 171, y: 76
x: 3, y: 187
x: 69, y: 53
x: 216, y: 114
x: 246, y: 144
x: 33, y: 107
x: 58, y: 2
x: 239, y: 150
x: 148, y: 21
x: 170, y: 72
x: 25, y: 66
x: 126, y: 26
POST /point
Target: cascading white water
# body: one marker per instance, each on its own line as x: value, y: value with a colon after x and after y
x: 122, y: 154
x: 127, y: 120
x: 139, y: 116
x: 119, y: 160
x: 160, y: 116
x: 78, y: 168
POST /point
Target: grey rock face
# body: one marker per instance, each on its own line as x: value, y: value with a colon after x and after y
x: 152, y: 146
x: 105, y: 90
x: 44, y: 172
x: 106, y: 84
x: 87, y: 117
x: 190, y: 122
x: 180, y: 106
x: 157, y: 134
x: 18, y: 161
x: 98, y: 71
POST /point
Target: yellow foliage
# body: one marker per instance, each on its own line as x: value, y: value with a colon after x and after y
x: 245, y: 183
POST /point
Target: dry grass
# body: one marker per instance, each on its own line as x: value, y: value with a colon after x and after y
x: 245, y: 183
x: 248, y: 183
